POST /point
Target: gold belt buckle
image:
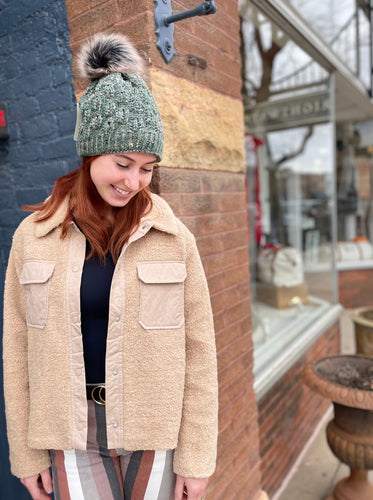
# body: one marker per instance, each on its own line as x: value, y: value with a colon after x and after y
x: 100, y: 400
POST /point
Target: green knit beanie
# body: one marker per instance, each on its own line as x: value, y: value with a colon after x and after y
x: 117, y: 113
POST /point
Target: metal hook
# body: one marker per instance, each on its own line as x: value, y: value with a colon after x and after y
x: 165, y: 23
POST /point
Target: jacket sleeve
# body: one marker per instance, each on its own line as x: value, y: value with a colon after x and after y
x: 195, y: 455
x: 25, y: 461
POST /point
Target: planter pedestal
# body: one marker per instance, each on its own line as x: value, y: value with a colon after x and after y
x: 348, y: 382
x: 354, y: 487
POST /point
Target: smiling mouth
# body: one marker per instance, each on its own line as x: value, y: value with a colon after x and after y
x: 121, y: 191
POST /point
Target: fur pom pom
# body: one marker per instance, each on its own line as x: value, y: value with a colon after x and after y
x: 105, y: 54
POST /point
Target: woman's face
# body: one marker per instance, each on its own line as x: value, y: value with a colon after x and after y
x: 118, y: 177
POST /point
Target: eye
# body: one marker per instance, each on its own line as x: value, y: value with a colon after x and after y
x: 120, y: 165
x: 148, y: 170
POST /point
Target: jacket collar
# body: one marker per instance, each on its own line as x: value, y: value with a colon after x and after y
x: 45, y: 227
x: 161, y: 217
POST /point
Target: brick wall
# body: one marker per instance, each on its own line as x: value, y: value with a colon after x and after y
x: 212, y: 205
x: 131, y: 17
x: 36, y: 86
x: 289, y: 413
x: 212, y: 38
x: 355, y: 288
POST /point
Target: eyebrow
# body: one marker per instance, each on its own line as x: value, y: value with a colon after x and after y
x: 131, y: 159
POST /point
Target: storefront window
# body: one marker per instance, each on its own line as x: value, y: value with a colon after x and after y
x: 354, y: 195
x: 290, y: 143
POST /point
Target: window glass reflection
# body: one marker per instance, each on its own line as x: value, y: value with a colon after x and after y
x: 290, y: 179
x: 344, y: 25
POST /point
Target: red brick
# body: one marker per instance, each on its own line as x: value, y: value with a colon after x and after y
x: 214, y: 38
x: 229, y: 297
x: 74, y: 8
x: 229, y: 202
x: 210, y: 244
x: 219, y: 322
x: 355, y: 288
x: 221, y: 280
x: 130, y: 8
x: 288, y: 414
x: 93, y: 21
x: 237, y: 312
x: 224, y: 261
x: 225, y: 19
x: 238, y: 273
x: 239, y: 390
x: 221, y: 182
x: 240, y: 480
x: 220, y: 222
x: 233, y: 332
x: 231, y: 352
x: 236, y: 401
x: 139, y: 29
x: 250, y: 481
x: 194, y: 203
x: 235, y: 370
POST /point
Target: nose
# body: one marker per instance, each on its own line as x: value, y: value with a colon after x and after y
x: 132, y: 180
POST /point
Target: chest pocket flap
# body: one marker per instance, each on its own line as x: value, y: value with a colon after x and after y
x: 161, y: 272
x: 36, y: 271
x: 35, y: 277
x: 161, y: 294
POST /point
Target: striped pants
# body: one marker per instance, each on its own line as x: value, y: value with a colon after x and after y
x: 102, y: 474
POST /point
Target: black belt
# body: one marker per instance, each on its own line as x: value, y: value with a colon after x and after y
x: 96, y: 392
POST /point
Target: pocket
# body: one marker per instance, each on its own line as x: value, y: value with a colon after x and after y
x: 35, y: 277
x: 161, y: 294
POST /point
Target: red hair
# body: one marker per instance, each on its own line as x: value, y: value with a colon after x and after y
x: 85, y: 205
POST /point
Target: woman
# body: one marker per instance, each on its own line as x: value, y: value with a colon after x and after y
x: 109, y: 353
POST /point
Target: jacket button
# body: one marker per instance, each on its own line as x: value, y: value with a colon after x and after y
x: 115, y: 425
x: 115, y: 372
x: 75, y: 269
x: 117, y: 318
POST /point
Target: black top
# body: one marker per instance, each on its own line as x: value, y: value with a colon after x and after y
x: 94, y: 304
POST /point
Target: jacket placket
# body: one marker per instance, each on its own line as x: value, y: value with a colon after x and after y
x: 114, y: 348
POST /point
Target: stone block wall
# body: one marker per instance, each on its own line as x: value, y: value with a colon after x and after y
x: 36, y: 86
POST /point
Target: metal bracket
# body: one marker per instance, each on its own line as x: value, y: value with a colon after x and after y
x: 165, y: 23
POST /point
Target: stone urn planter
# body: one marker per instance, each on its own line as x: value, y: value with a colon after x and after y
x: 363, y: 321
x: 348, y: 382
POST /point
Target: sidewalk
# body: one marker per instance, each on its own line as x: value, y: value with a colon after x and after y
x: 317, y: 471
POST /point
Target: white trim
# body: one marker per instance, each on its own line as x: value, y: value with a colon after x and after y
x: 347, y: 265
x: 303, y: 453
x: 282, y: 361
x: 353, y: 265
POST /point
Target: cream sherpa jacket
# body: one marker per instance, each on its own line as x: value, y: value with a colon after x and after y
x: 161, y: 383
